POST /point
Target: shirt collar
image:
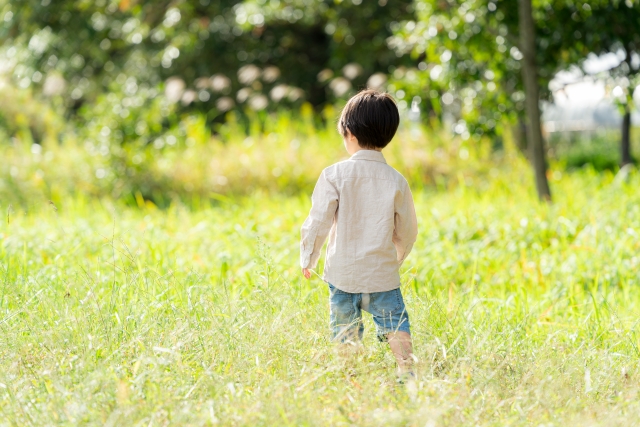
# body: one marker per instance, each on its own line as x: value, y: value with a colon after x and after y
x: 372, y: 155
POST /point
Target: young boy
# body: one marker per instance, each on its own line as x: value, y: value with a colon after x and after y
x: 366, y: 208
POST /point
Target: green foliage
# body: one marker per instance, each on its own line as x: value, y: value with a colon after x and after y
x: 133, y: 69
x: 24, y: 118
x: 470, y: 60
x: 218, y: 55
x: 599, y: 150
x: 280, y: 154
x: 612, y: 25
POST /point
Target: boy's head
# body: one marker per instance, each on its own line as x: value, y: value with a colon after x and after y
x: 371, y: 117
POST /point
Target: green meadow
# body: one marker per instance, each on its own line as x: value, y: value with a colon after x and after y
x: 165, y: 304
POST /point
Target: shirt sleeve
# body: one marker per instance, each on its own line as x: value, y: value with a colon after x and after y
x: 324, y: 204
x: 406, y: 225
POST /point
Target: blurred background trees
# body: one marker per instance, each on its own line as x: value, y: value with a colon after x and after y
x: 612, y: 28
x: 133, y: 72
x: 208, y: 56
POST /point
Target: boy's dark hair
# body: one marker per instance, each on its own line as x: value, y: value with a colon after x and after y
x: 372, y: 117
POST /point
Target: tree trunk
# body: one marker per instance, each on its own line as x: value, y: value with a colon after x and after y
x: 532, y: 106
x: 519, y: 132
x: 625, y: 142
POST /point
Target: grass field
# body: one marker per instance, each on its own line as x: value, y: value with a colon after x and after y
x: 522, y: 313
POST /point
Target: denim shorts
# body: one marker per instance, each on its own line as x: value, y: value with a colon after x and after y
x: 387, y: 308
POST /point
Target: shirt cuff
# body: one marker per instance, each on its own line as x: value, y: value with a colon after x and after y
x: 304, y: 261
x: 306, y: 249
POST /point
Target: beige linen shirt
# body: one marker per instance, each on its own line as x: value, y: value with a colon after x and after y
x: 366, y: 208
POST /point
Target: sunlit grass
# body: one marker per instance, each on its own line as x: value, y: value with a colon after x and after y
x: 278, y: 154
x: 522, y: 313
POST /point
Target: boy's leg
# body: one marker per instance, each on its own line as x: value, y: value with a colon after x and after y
x: 402, y: 349
x: 345, y: 316
x: 392, y: 324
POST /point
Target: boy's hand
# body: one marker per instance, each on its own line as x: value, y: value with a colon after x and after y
x: 306, y: 273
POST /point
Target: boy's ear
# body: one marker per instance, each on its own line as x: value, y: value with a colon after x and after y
x: 349, y: 135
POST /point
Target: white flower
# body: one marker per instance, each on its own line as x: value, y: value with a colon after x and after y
x: 248, y: 74
x: 376, y: 81
x: 352, y: 70
x: 258, y: 102
x: 174, y: 88
x: 340, y: 86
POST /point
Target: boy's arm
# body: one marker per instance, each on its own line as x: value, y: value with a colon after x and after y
x: 324, y: 203
x: 406, y: 225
